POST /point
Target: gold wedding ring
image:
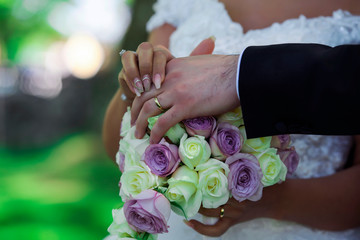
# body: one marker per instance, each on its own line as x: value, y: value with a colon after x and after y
x: 222, y: 212
x: 158, y: 104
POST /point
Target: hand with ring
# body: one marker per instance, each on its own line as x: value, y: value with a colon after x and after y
x: 144, y: 67
x: 234, y: 212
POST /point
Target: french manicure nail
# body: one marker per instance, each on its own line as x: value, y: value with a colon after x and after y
x: 137, y: 92
x: 138, y: 85
x: 157, y: 81
x: 146, y: 81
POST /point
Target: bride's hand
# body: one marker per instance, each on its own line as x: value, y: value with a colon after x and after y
x: 236, y: 212
x: 142, y: 68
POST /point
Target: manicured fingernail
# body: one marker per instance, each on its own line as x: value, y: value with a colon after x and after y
x: 138, y: 84
x: 136, y: 134
x: 189, y: 223
x: 137, y: 92
x: 213, y: 38
x: 157, y: 81
x: 146, y: 82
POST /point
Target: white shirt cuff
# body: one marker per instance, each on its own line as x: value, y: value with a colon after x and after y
x: 238, y: 75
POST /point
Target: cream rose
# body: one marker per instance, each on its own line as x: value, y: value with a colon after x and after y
x: 194, y: 150
x: 213, y: 183
x: 137, y: 178
x: 256, y: 144
x: 273, y: 169
x: 183, y: 190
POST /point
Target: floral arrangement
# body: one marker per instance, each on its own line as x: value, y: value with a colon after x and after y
x: 200, y: 162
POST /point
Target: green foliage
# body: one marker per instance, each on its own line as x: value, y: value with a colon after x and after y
x: 66, y: 191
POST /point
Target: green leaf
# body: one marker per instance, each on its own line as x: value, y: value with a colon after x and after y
x: 175, y: 204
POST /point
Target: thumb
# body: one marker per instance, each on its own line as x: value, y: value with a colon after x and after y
x: 205, y: 47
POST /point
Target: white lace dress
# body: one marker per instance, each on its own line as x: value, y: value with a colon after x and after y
x: 320, y: 155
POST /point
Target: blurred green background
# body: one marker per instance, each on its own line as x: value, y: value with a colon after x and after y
x: 58, y: 70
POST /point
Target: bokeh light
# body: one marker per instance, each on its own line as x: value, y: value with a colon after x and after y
x: 83, y: 55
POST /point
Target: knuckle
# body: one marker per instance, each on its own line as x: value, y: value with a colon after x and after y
x: 127, y: 56
x: 159, y: 55
x: 145, y: 46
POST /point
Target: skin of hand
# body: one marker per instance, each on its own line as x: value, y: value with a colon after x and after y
x: 148, y: 63
x: 194, y: 86
x: 144, y: 67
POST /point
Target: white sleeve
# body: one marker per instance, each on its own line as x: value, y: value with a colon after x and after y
x: 173, y: 12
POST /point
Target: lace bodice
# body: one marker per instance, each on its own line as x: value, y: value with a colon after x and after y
x: 319, y: 155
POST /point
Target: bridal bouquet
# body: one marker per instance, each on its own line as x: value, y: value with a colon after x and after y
x: 200, y: 162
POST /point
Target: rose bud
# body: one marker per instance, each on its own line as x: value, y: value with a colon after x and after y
x: 290, y: 158
x: 244, y: 177
x: 148, y: 212
x: 280, y: 141
x: 256, y: 145
x: 174, y: 134
x: 162, y: 158
x: 233, y: 117
x: 202, y: 126
x: 225, y: 141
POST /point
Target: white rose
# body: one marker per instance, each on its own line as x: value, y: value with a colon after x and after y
x: 256, y: 145
x: 125, y: 123
x: 233, y: 117
x: 137, y: 178
x: 273, y: 169
x: 183, y: 190
x: 194, y: 150
x: 133, y: 148
x: 213, y: 183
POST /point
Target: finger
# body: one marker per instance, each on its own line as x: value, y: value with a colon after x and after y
x: 205, y: 47
x: 161, y: 56
x: 159, y: 68
x: 169, y: 119
x: 131, y: 71
x: 139, y: 102
x: 124, y: 83
x: 149, y: 109
x: 210, y: 212
x: 218, y: 229
x: 145, y: 58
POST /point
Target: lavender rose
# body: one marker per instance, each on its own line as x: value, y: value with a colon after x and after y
x: 148, y: 212
x: 162, y: 158
x: 290, y: 158
x: 244, y: 177
x: 225, y: 141
x: 280, y: 141
x: 202, y: 126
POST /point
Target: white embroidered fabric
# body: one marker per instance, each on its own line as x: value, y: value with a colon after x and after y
x: 319, y: 155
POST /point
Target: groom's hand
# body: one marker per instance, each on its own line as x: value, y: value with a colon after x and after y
x: 194, y: 86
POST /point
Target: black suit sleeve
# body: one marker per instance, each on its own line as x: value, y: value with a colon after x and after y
x: 300, y: 88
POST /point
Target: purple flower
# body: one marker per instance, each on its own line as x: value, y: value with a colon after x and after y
x: 202, y: 126
x: 244, y: 177
x: 280, y: 141
x: 162, y: 158
x: 225, y: 141
x: 290, y: 158
x: 148, y: 212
